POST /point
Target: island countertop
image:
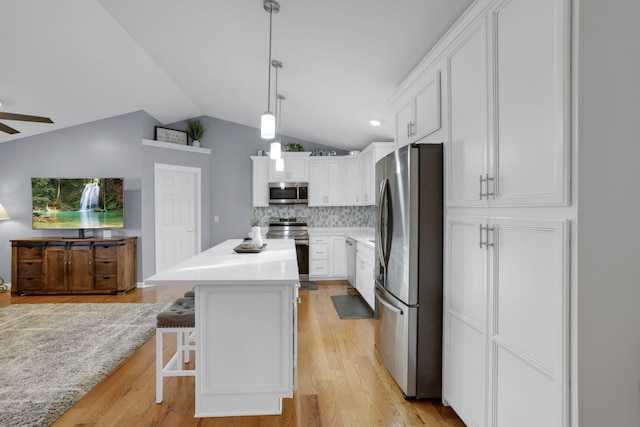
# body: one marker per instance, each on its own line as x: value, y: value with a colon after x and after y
x: 221, y: 265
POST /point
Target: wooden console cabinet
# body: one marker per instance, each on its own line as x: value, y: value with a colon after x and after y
x: 41, y: 266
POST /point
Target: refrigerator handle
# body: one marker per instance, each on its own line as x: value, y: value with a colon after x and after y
x: 387, y: 304
x: 381, y: 197
x: 382, y: 248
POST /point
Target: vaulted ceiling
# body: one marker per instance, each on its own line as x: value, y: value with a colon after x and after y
x: 78, y: 61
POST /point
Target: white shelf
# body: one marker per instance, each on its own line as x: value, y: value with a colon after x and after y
x: 171, y: 146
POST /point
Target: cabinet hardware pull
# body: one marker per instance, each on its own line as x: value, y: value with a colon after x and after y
x: 481, y: 230
x: 489, y: 229
x: 493, y: 192
x: 486, y: 179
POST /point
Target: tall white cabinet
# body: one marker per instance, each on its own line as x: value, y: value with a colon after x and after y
x: 505, y: 86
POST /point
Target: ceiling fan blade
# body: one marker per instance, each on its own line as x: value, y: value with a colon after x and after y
x: 6, y: 129
x: 25, y: 118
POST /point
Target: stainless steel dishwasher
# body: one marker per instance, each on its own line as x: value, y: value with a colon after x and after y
x: 351, y: 261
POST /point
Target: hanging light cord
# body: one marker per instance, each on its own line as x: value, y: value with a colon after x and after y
x: 269, y: 83
x: 277, y: 115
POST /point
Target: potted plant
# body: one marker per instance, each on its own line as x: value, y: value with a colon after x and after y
x: 195, y: 130
x: 294, y: 146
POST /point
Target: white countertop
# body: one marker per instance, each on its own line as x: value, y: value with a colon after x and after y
x: 363, y: 235
x: 221, y: 265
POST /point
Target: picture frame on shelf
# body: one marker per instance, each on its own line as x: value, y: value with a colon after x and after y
x: 174, y: 136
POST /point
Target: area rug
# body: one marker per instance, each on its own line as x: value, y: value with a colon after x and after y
x: 351, y: 307
x: 308, y: 286
x: 53, y: 354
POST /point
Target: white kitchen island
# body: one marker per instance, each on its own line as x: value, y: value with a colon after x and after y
x: 245, y: 326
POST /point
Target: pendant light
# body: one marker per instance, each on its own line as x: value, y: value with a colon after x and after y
x: 275, y: 151
x: 279, y: 160
x: 268, y: 119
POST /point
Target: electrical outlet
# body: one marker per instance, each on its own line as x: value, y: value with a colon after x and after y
x: 216, y: 218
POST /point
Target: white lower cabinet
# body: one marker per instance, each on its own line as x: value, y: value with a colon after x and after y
x: 364, y: 273
x: 327, y: 258
x: 506, y: 321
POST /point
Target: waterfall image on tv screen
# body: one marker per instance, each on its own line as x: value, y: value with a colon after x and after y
x: 77, y: 203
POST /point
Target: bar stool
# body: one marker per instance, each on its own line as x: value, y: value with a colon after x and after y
x: 179, y: 319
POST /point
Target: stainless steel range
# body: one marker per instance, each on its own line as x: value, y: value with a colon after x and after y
x: 293, y: 228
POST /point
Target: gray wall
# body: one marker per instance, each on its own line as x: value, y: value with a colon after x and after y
x: 105, y: 148
x: 112, y: 148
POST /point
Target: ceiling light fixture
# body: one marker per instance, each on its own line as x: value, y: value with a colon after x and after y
x: 275, y: 151
x: 279, y: 160
x: 268, y: 119
x: 374, y: 122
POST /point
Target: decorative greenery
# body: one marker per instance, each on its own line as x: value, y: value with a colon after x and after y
x: 294, y: 146
x: 255, y: 221
x: 195, y: 129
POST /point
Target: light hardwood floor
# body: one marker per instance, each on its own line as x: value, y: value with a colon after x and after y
x: 340, y: 380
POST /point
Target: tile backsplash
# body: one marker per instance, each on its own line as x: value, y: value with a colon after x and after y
x: 334, y: 216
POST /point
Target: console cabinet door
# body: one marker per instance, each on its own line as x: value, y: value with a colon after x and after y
x: 55, y: 268
x: 81, y: 268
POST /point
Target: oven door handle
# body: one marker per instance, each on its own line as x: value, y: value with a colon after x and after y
x: 302, y: 242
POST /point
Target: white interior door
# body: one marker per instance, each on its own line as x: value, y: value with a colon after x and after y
x: 177, y: 214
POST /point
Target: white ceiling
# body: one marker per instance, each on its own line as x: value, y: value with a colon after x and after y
x: 78, y: 61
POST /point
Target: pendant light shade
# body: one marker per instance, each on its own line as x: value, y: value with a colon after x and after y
x: 280, y: 164
x: 268, y: 119
x: 268, y: 125
x: 275, y: 151
x: 276, y: 148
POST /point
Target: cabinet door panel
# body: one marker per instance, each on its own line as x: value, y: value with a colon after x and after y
x: 465, y: 382
x: 529, y: 311
x: 335, y: 182
x: 465, y: 353
x: 468, y: 149
x: 81, y: 268
x: 55, y: 269
x: 530, y: 97
x: 318, y: 184
x: 467, y: 270
x: 518, y: 382
x: 427, y: 104
x: 404, y: 116
x: 260, y: 182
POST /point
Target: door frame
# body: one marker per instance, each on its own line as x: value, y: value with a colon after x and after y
x: 197, y: 174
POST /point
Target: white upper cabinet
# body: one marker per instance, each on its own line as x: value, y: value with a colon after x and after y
x: 296, y: 168
x: 368, y: 158
x: 508, y: 108
x: 418, y: 110
x: 326, y: 183
x: 468, y: 150
x: 530, y: 102
x: 260, y: 181
x: 351, y: 184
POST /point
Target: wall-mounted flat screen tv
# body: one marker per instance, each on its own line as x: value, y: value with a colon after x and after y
x: 77, y: 203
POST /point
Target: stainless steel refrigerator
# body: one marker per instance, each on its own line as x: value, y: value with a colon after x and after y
x: 409, y: 271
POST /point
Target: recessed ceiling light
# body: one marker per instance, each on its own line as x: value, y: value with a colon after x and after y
x: 1, y: 102
x: 374, y: 122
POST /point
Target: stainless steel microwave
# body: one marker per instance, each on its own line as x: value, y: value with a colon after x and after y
x: 283, y: 193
